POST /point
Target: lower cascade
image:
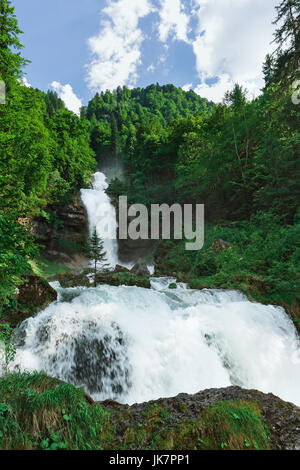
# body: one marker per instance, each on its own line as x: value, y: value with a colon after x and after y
x: 133, y: 345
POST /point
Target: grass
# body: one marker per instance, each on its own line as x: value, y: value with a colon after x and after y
x: 40, y: 413
x: 47, y: 269
x: 37, y: 412
x: 232, y: 425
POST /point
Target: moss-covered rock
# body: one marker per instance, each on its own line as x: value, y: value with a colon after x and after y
x: 109, y: 278
x: 37, y: 412
x: 173, y: 285
x: 34, y: 295
x: 229, y: 418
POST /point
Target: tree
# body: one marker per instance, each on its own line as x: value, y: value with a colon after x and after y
x: 16, y: 249
x: 269, y: 70
x: 287, y: 36
x: 237, y: 99
x: 115, y: 138
x: 95, y: 251
x: 11, y: 61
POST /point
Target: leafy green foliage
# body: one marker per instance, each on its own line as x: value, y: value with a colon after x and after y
x: 263, y: 259
x: 10, y: 58
x: 16, y: 248
x: 45, y: 156
x: 134, y: 125
x: 7, y: 345
x: 287, y: 37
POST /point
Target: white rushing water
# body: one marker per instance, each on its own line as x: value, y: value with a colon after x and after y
x: 133, y: 344
x: 102, y: 215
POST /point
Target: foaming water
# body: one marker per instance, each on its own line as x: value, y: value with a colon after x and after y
x: 102, y: 215
x: 134, y: 345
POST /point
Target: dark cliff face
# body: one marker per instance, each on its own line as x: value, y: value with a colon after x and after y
x: 63, y: 238
x: 69, y: 224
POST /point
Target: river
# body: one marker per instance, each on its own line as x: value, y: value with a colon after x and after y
x: 133, y: 344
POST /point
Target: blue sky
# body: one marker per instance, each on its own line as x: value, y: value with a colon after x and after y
x: 78, y: 47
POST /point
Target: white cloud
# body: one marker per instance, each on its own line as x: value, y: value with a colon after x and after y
x: 25, y: 82
x: 216, y: 91
x: 187, y: 87
x: 232, y: 41
x: 173, y: 20
x: 151, y: 68
x: 117, y: 48
x: 66, y: 93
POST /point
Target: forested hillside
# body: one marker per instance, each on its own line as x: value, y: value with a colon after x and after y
x: 120, y: 117
x: 135, y: 125
x: 239, y: 158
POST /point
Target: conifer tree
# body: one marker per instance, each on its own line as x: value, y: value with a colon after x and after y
x: 287, y: 37
x: 95, y: 252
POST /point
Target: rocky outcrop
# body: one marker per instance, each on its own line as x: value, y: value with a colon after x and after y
x: 216, y: 419
x: 140, y: 269
x: 64, y: 234
x: 135, y: 249
x: 121, y: 269
x: 109, y: 278
x: 34, y: 295
x: 203, y: 421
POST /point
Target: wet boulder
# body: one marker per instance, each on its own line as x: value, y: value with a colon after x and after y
x: 121, y: 269
x: 140, y: 269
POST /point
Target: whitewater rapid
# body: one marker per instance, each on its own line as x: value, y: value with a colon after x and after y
x: 133, y: 345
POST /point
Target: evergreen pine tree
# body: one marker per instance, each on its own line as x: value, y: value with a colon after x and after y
x: 269, y: 71
x: 115, y: 137
x: 95, y: 251
x: 287, y: 36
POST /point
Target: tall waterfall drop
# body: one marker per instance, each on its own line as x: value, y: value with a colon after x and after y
x: 102, y: 216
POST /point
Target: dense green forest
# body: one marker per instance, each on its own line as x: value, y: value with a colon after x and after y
x: 239, y: 158
x: 134, y: 125
x: 45, y: 156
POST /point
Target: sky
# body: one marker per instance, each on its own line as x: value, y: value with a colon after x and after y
x: 80, y: 47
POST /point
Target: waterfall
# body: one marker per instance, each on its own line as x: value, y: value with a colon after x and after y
x: 102, y: 216
x: 132, y: 344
